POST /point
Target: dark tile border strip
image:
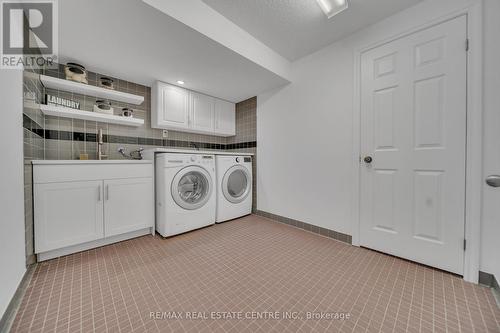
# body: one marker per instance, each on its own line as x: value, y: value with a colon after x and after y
x: 241, y: 145
x: 308, y: 227
x: 29, y: 124
x: 32, y: 126
x: 14, y: 304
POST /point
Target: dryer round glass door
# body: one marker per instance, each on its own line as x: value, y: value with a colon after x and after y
x: 192, y: 187
x: 236, y: 184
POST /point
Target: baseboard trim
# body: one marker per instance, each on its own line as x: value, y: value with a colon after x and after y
x: 307, y: 227
x: 14, y: 304
x: 30, y: 259
x: 486, y: 279
x: 489, y: 280
x: 92, y: 245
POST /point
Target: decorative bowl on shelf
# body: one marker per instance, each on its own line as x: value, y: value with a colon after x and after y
x: 75, y: 72
x: 103, y: 106
x: 127, y: 112
x: 107, y: 82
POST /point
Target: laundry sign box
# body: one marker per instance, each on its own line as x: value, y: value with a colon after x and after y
x: 60, y: 101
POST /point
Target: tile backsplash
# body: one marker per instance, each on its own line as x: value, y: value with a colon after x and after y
x: 57, y: 138
x: 51, y: 137
x: 68, y: 138
x: 246, y: 122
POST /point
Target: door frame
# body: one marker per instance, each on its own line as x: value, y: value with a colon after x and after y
x: 474, y: 141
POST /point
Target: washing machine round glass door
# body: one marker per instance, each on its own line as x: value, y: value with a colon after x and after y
x: 192, y: 187
x: 236, y: 184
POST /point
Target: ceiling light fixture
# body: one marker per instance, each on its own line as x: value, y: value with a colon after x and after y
x: 180, y: 82
x: 332, y: 7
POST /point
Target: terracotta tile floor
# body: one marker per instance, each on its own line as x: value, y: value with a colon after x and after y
x: 252, y: 267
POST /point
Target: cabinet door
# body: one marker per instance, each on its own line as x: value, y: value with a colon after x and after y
x: 202, y: 113
x: 129, y: 205
x: 67, y: 214
x: 225, y: 122
x: 172, y: 106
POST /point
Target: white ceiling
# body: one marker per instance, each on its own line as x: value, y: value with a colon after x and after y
x: 295, y: 28
x: 231, y: 49
x: 135, y: 42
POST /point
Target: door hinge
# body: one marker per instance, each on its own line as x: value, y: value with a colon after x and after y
x: 467, y: 44
x: 465, y: 244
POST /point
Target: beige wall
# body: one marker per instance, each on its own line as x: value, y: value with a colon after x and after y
x: 305, y: 129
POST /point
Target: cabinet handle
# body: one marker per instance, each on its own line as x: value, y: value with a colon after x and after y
x: 107, y: 192
x: 99, y: 194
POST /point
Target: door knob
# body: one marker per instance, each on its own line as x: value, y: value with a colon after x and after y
x: 493, y: 180
x: 368, y: 159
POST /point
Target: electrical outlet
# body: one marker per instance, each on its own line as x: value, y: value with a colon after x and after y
x: 165, y: 133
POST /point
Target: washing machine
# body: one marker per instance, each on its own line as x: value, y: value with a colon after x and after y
x: 234, y: 186
x: 185, y: 192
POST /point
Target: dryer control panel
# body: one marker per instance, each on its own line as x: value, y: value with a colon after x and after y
x: 245, y: 159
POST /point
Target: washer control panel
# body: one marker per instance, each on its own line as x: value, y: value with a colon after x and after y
x: 174, y: 160
x: 207, y: 160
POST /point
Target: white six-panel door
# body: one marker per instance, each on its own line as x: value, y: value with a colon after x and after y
x: 413, y: 126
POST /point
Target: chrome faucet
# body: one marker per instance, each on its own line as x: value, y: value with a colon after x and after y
x: 100, y: 142
x: 133, y: 155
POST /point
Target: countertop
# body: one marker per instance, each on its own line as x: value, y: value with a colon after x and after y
x: 193, y: 151
x: 53, y: 162
x: 147, y: 160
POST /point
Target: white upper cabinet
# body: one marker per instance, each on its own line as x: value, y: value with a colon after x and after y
x: 182, y: 110
x: 225, y: 118
x: 170, y: 106
x: 202, y: 113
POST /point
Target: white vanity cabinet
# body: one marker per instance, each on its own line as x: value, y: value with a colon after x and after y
x: 80, y: 205
x: 179, y: 109
x: 127, y: 205
x: 67, y: 214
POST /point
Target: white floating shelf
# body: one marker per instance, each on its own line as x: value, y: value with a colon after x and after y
x: 58, y: 111
x: 85, y: 89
